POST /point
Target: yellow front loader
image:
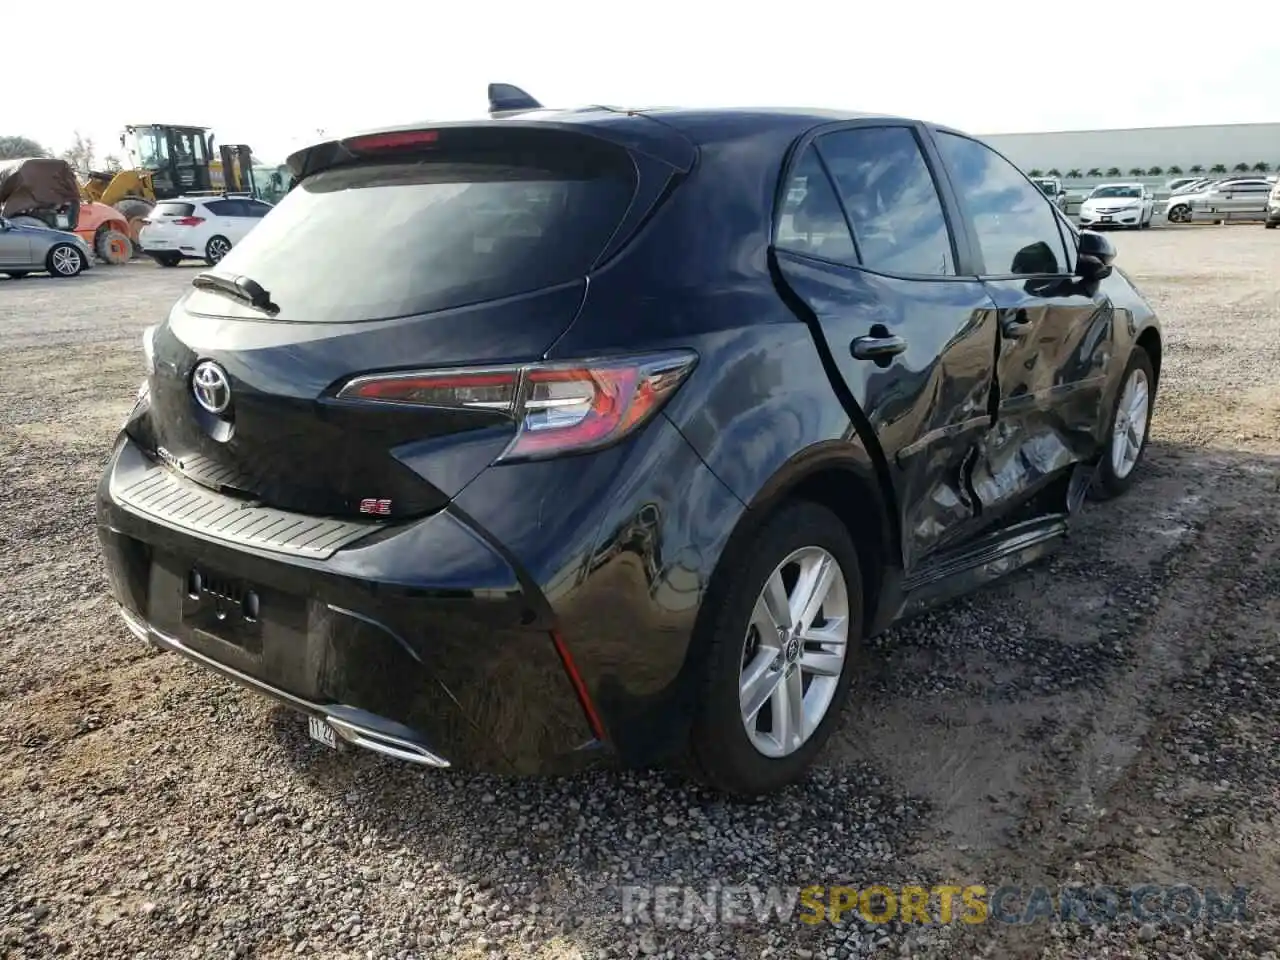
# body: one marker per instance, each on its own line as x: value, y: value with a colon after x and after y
x: 169, y: 161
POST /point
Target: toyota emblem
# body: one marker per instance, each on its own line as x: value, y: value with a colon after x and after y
x: 210, y: 385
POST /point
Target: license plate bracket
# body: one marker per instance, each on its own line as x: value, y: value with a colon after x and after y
x: 1105, y: 219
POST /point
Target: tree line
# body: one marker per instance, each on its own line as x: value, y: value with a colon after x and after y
x: 81, y: 155
x: 1260, y: 167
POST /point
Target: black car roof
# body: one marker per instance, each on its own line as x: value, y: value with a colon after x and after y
x: 696, y: 125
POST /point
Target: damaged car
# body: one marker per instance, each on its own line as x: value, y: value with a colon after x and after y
x: 609, y: 435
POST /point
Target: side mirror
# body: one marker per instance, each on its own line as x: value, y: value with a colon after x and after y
x: 1097, y: 254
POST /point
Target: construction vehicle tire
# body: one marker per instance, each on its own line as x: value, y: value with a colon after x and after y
x: 134, y: 210
x: 112, y: 246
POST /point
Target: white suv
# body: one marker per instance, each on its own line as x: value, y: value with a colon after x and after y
x: 199, y: 228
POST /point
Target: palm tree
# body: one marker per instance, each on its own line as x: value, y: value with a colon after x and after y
x: 1218, y: 168
x: 1262, y: 167
x: 1037, y: 172
x: 1155, y: 172
x: 1113, y: 171
x: 1241, y: 168
x: 1094, y: 172
x: 1136, y: 172
x: 1073, y: 174
x: 1055, y: 172
x: 1196, y: 168
x: 1174, y: 170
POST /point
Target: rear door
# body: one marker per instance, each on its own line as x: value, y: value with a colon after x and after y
x: 436, y: 265
x: 864, y: 239
x: 1055, y: 336
x: 1248, y: 198
x: 231, y: 218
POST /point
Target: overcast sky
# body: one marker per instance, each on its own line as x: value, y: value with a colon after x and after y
x: 987, y: 67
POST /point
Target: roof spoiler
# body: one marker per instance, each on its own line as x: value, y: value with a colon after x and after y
x: 506, y: 99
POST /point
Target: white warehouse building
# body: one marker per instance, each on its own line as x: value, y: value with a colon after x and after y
x: 1143, y: 147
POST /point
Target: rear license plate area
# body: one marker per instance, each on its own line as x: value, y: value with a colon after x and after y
x: 225, y: 608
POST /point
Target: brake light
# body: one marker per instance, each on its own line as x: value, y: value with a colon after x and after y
x: 557, y: 407
x: 400, y: 140
x: 187, y: 221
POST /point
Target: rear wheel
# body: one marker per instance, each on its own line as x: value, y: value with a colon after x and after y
x: 1130, y: 424
x: 64, y: 260
x: 217, y: 248
x: 778, y: 662
x: 112, y: 246
x: 1272, y: 224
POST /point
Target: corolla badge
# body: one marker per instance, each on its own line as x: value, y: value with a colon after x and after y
x: 210, y: 385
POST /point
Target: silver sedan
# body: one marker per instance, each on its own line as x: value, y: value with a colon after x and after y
x: 26, y: 247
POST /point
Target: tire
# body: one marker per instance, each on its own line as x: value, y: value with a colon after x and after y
x: 134, y: 210
x: 16, y: 274
x: 64, y: 260
x: 1179, y: 214
x: 217, y: 248
x: 722, y: 751
x: 166, y: 259
x: 112, y: 246
x: 1272, y: 224
x: 1115, y: 472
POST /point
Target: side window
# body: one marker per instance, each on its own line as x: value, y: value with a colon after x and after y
x: 258, y: 209
x: 811, y: 221
x: 1016, y: 227
x: 892, y: 200
x: 225, y: 208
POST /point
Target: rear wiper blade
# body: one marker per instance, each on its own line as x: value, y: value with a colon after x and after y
x: 243, y: 289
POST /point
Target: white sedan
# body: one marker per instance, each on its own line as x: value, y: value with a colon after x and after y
x: 198, y: 228
x: 1118, y: 205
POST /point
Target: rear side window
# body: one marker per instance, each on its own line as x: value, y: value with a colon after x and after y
x: 811, y: 221
x: 892, y: 200
x: 1016, y: 225
x: 394, y: 238
x: 170, y: 209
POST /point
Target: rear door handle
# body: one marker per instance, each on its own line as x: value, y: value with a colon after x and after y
x: 877, y: 348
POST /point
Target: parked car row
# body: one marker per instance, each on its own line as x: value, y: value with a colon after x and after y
x: 1217, y: 201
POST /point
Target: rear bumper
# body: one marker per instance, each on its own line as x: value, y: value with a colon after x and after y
x: 540, y: 622
x: 357, y: 727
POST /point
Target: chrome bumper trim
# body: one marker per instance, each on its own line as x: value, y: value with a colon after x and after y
x: 356, y: 734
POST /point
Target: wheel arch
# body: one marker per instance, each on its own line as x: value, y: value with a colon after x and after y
x: 841, y: 476
x: 1149, y: 340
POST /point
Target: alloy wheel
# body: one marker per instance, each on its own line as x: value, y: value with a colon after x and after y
x: 218, y: 248
x: 794, y: 651
x: 1130, y: 428
x: 66, y: 260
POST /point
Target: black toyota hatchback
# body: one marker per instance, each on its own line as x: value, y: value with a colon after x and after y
x: 574, y: 436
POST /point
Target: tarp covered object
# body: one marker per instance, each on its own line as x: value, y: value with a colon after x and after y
x: 34, y: 183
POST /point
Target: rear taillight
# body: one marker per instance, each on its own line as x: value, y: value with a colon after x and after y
x: 557, y: 407
x: 187, y: 221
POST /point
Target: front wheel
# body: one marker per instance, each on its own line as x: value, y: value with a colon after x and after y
x: 1130, y: 425
x: 779, y: 652
x: 1179, y: 214
x: 64, y: 260
x: 217, y: 248
x: 167, y: 259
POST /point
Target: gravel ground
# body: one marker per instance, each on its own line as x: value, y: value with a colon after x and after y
x: 1108, y: 717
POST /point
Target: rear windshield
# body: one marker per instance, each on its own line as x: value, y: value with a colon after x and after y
x: 171, y: 209
x: 390, y: 239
